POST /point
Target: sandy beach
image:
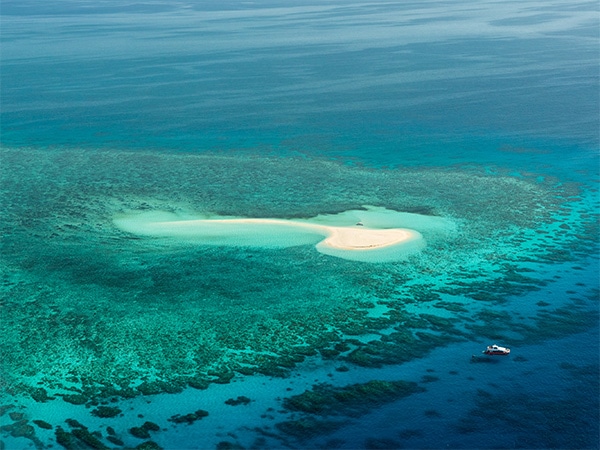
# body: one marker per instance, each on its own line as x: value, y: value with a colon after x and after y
x: 332, y: 236
x: 345, y: 238
x: 358, y: 238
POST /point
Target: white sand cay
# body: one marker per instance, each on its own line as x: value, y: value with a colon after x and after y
x: 361, y: 238
x: 374, y: 240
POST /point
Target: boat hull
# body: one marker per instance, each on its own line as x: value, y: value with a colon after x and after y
x: 497, y: 353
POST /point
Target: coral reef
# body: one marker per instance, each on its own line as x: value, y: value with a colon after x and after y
x: 105, y: 314
x: 188, y: 418
x: 106, y: 411
x: 353, y: 400
x: 240, y: 400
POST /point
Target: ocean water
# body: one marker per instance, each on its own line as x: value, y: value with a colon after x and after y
x: 479, y: 121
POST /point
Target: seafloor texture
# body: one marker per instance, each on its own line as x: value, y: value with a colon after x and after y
x: 91, y: 312
x: 478, y: 121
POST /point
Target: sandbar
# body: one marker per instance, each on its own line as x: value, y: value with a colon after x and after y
x: 367, y: 239
x: 330, y: 234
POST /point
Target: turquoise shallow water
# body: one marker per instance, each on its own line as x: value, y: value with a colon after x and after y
x: 482, y: 116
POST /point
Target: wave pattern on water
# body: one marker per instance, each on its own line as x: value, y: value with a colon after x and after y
x: 189, y: 78
x: 479, y: 115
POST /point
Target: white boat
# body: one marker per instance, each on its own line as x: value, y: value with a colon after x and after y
x: 496, y: 350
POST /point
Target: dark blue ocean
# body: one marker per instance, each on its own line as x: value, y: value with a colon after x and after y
x: 478, y: 119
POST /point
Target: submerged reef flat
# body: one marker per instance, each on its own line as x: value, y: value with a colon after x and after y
x: 91, y: 310
x: 351, y: 401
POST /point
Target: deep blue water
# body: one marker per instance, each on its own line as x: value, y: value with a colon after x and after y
x: 502, y: 88
x: 359, y: 77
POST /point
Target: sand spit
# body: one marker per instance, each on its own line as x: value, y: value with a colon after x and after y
x: 355, y: 235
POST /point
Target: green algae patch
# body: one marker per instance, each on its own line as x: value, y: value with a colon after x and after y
x: 188, y: 418
x: 75, y: 399
x: 89, y: 439
x: 106, y: 411
x: 308, y: 427
x: 64, y: 438
x: 148, y: 445
x: 325, y: 408
x: 139, y: 432
x: 90, y: 310
x: 240, y: 400
x: 39, y: 395
x: 43, y: 424
x: 353, y: 400
x: 546, y: 325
